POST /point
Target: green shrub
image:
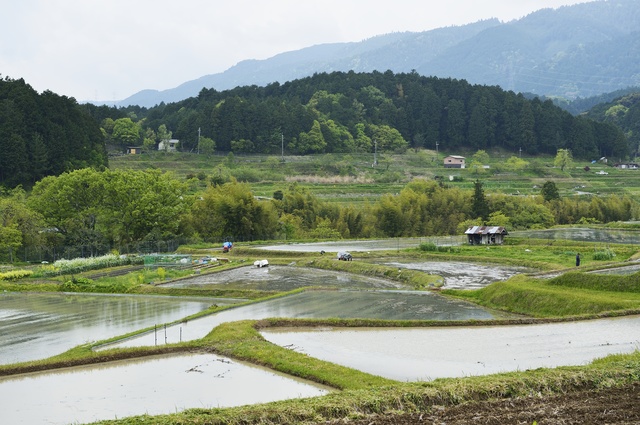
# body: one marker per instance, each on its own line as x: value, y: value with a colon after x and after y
x: 431, y: 247
x: 80, y: 284
x: 15, y: 274
x: 605, y: 255
x: 162, y: 273
x: 428, y: 247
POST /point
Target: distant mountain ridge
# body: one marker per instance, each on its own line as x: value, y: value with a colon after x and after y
x: 573, y: 51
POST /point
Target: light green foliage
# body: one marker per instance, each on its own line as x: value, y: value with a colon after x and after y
x: 19, y: 225
x: 389, y: 139
x: 604, y: 255
x: 324, y: 230
x: 161, y: 272
x: 139, y: 203
x: 481, y: 157
x: 71, y: 204
x: 10, y: 240
x: 432, y: 247
x: 479, y: 161
x: 149, y: 141
x: 351, y: 222
x: 206, y: 146
x: 497, y: 218
x: 301, y: 203
x: 522, y: 212
x: 465, y: 224
x: 231, y: 210
x: 15, y: 274
x: 311, y: 141
x: 363, y: 143
x: 616, y: 113
x: 126, y: 132
x: 476, y: 167
x: 422, y: 208
x: 337, y: 137
x: 291, y: 226
x: 164, y: 135
x: 563, y: 159
x: 516, y: 164
x: 242, y: 145
x: 596, y: 209
x: 89, y: 207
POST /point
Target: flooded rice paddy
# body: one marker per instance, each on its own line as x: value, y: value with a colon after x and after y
x: 364, y: 245
x: 34, y: 326
x: 390, y: 305
x: 584, y: 234
x: 283, y: 278
x: 39, y: 325
x: 428, y: 353
x: 160, y: 385
x: 459, y: 275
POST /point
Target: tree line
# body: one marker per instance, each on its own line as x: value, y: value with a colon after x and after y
x: 624, y: 113
x: 90, y: 212
x: 44, y: 134
x: 47, y: 134
x: 360, y: 112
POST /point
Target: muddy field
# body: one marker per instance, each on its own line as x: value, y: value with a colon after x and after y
x: 611, y: 406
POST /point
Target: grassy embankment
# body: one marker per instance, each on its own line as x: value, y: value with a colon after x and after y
x: 572, y: 295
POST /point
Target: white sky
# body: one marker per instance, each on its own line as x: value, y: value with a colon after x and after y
x: 111, y: 49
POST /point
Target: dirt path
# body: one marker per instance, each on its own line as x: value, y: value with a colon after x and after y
x: 613, y: 406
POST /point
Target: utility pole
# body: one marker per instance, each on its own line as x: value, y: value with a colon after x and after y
x: 282, y: 146
x: 198, y: 140
x: 375, y: 152
x: 437, y: 149
x: 520, y: 154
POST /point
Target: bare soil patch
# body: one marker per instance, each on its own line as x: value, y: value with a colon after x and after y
x: 610, y: 406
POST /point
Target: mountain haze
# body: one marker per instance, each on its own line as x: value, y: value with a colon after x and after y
x: 570, y: 52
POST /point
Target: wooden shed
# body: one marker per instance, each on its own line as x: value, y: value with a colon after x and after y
x: 134, y: 150
x: 486, y: 235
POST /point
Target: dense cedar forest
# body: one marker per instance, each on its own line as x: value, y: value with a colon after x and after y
x: 44, y: 134
x: 624, y: 112
x: 350, y: 112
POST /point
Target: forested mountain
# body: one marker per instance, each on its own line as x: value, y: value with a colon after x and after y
x: 44, y: 134
x: 573, y: 51
x: 352, y: 112
x: 624, y: 112
x: 582, y: 105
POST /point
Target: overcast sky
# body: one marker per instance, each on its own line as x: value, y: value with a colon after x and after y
x: 111, y: 49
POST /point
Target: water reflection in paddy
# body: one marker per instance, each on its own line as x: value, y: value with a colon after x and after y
x: 583, y: 234
x: 461, y: 275
x: 155, y: 386
x: 39, y: 325
x: 391, y: 305
x: 429, y: 353
x: 283, y: 278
